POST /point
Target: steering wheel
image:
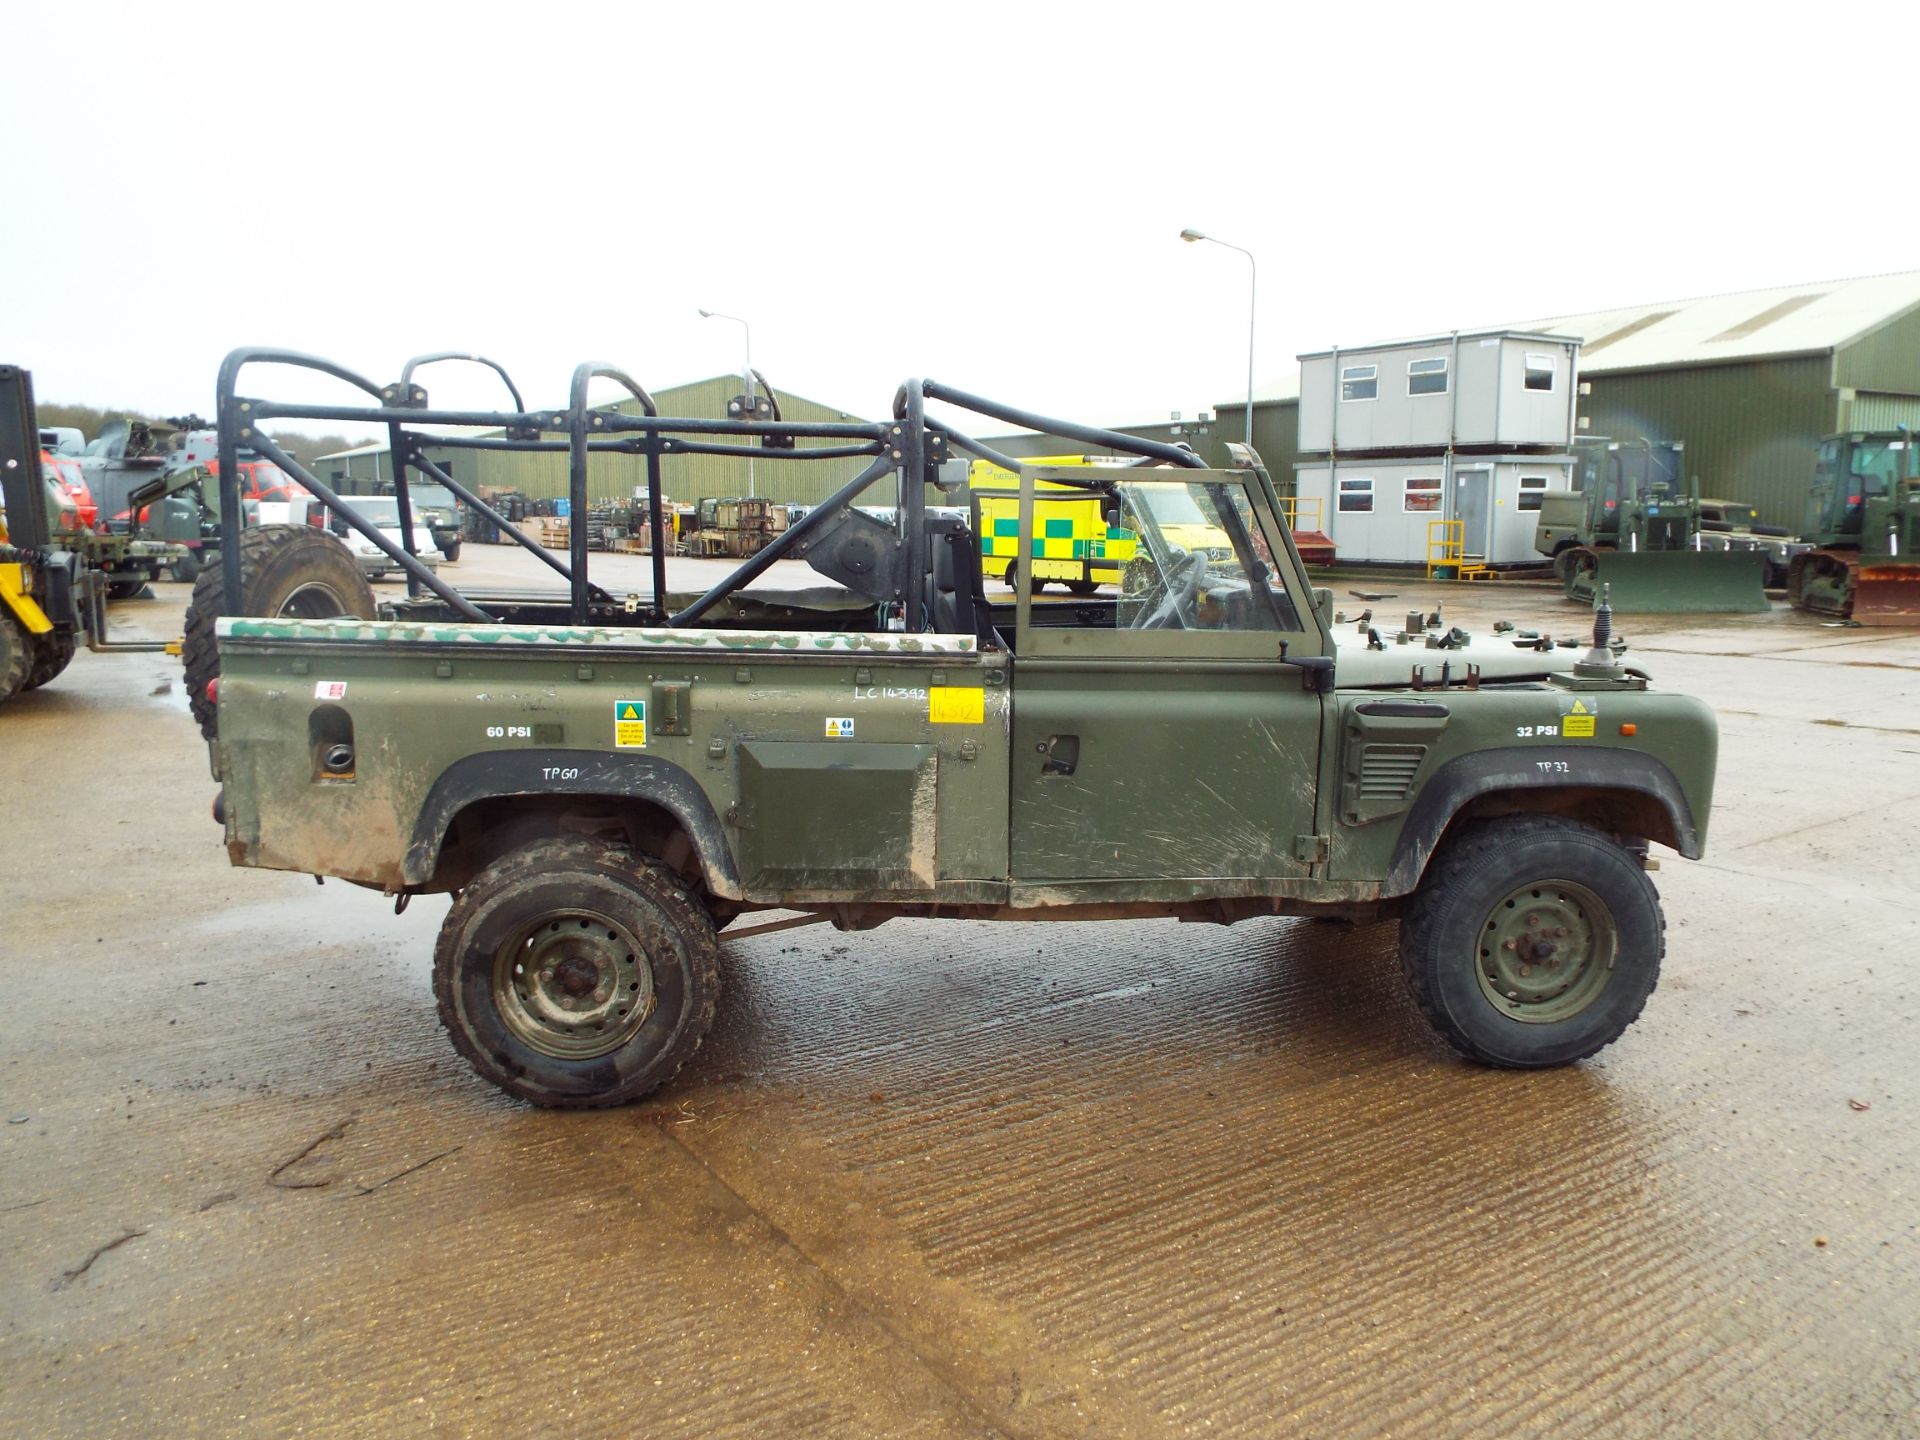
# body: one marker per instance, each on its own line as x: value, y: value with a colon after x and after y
x: 1175, y: 609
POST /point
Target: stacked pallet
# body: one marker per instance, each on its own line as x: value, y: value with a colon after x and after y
x: 552, y: 531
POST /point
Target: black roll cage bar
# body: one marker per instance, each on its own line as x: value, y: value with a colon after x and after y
x: 910, y: 446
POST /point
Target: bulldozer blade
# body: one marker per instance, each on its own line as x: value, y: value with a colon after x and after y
x: 1887, y: 595
x: 1661, y: 582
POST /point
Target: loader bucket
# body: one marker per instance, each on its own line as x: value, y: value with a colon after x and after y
x: 1887, y: 595
x: 1661, y: 582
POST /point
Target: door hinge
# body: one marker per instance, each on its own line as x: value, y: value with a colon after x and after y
x: 1310, y: 849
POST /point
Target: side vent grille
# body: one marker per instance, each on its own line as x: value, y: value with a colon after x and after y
x: 1387, y: 771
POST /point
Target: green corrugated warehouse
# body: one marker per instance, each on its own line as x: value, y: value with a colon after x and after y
x: 684, y: 478
x: 1748, y: 382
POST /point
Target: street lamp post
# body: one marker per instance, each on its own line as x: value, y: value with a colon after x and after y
x: 1253, y: 279
x: 746, y: 374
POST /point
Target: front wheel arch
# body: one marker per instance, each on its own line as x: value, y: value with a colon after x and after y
x: 1626, y: 794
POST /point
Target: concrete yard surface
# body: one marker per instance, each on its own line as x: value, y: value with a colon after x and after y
x: 960, y: 1179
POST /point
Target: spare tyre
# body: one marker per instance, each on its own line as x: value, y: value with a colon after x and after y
x: 297, y: 571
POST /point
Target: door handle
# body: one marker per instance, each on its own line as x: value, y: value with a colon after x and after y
x: 1062, y: 752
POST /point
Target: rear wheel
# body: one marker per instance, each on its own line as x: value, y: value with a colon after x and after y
x: 186, y: 569
x: 1082, y: 587
x: 296, y: 571
x: 129, y: 588
x: 1532, y: 942
x: 575, y: 974
x: 1016, y: 579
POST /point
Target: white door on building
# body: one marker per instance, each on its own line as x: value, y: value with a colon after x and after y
x: 1473, y: 508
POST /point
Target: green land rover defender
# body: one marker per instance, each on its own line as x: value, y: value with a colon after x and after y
x: 609, y: 783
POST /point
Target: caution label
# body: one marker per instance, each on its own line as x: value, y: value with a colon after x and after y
x: 1577, y: 723
x: 956, y: 705
x: 839, y: 727
x: 630, y: 724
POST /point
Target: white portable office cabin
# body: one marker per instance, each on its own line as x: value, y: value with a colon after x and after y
x: 1378, y: 509
x: 1498, y: 388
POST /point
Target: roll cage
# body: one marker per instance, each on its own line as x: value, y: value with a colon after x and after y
x: 887, y: 562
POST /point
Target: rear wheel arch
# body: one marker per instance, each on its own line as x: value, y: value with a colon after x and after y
x: 485, y: 805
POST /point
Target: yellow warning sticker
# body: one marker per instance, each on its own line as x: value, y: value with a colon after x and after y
x: 630, y: 724
x: 956, y: 705
x: 1577, y: 723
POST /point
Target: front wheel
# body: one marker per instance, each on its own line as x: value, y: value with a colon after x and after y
x: 16, y: 655
x: 450, y: 551
x: 51, y: 654
x: 575, y: 974
x: 1532, y: 942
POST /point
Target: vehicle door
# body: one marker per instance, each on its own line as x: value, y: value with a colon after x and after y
x: 1158, y: 735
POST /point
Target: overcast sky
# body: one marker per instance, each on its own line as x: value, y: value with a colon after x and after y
x: 987, y: 195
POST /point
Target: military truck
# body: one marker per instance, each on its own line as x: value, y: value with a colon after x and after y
x: 1633, y: 524
x: 610, y: 785
x: 1863, y: 520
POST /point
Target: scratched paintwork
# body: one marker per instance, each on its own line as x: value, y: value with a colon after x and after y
x: 381, y: 632
x: 1127, y: 777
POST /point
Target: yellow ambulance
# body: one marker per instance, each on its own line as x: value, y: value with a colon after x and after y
x: 1072, y: 542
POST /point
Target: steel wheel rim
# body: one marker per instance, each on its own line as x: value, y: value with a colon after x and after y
x: 574, y: 984
x: 1546, y: 952
x: 313, y: 601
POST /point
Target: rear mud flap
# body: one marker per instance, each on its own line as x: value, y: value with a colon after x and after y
x: 1887, y: 595
x: 1660, y: 582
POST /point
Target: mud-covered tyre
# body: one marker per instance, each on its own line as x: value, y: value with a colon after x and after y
x: 1532, y: 942
x: 50, y: 654
x: 574, y: 974
x: 16, y: 656
x: 290, y: 570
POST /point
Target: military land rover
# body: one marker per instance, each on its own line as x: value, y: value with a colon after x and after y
x: 608, y: 784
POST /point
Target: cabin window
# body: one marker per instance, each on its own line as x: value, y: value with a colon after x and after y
x: 1423, y: 495
x: 1539, y: 372
x: 1531, y: 490
x: 1356, y: 497
x: 1427, y: 377
x: 1359, y: 382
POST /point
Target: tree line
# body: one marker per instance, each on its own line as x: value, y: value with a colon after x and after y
x: 88, y: 419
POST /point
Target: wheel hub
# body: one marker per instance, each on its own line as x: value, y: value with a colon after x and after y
x: 574, y: 985
x: 1546, y: 952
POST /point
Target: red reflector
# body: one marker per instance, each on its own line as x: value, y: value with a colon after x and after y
x: 213, y: 691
